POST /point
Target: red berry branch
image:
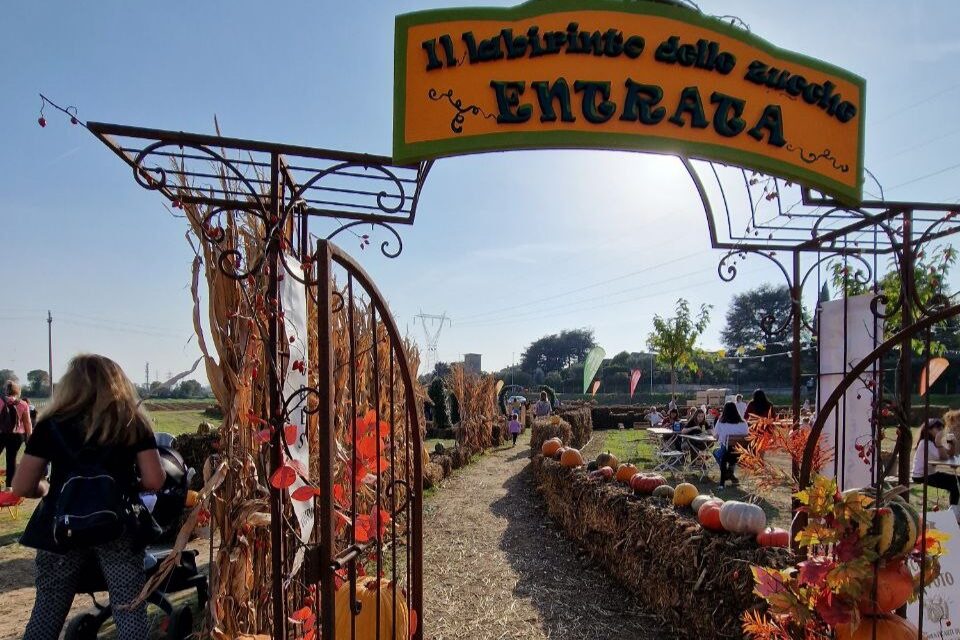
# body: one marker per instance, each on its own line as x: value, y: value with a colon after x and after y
x: 70, y: 111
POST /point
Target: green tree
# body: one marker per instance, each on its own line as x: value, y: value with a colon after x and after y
x: 438, y: 395
x: 38, y: 382
x: 189, y: 389
x: 557, y: 351
x: 930, y: 273
x: 8, y: 374
x: 743, y: 333
x: 454, y: 409
x: 675, y: 339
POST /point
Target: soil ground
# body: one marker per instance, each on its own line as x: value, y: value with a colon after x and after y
x: 496, y: 566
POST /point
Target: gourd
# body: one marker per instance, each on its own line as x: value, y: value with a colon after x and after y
x: 773, y: 537
x: 607, y: 459
x: 709, y: 515
x: 625, y: 472
x: 663, y: 491
x: 604, y: 474
x: 742, y: 517
x: 366, y: 619
x: 571, y: 458
x: 700, y: 500
x: 894, y: 588
x: 899, y: 526
x: 888, y: 627
x: 550, y: 447
x: 684, y: 494
x: 645, y: 484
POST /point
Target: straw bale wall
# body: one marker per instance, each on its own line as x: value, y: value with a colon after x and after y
x: 543, y: 429
x: 581, y: 424
x: 698, y: 582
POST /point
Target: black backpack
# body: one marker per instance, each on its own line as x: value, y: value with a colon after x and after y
x: 92, y: 508
x: 9, y: 418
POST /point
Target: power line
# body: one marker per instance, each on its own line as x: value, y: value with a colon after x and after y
x: 925, y: 176
x: 918, y: 103
x: 579, y: 289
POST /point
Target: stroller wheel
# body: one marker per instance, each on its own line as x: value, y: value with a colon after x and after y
x: 181, y: 624
x: 83, y: 627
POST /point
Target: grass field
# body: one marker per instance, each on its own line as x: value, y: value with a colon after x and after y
x: 174, y: 420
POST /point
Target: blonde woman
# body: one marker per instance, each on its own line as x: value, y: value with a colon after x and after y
x: 93, y: 416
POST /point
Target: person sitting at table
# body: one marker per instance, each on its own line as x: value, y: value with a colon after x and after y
x: 730, y: 424
x: 759, y: 407
x: 654, y: 417
x: 696, y: 426
x: 936, y: 448
x: 672, y: 421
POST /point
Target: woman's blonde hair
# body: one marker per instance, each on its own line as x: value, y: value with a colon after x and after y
x: 11, y: 388
x: 96, y: 391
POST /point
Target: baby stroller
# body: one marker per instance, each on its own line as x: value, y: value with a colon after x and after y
x: 167, y: 512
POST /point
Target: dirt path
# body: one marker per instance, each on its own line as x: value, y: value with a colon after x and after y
x: 17, y: 587
x: 495, y: 565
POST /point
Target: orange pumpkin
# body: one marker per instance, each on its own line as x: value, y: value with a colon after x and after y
x: 773, y: 537
x: 888, y: 627
x: 571, y: 458
x: 626, y: 471
x: 709, y: 515
x: 550, y: 447
x: 894, y: 587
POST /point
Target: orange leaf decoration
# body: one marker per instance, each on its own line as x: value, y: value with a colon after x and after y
x: 304, y: 493
x: 263, y: 436
x: 340, y: 496
x: 367, y: 448
x: 290, y: 434
x: 283, y: 477
x: 301, y: 614
x: 413, y: 622
x: 363, y: 526
x: 309, y: 635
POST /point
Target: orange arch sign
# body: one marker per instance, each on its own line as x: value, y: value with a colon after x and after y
x: 610, y: 75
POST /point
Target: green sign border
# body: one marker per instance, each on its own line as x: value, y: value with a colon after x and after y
x: 404, y: 153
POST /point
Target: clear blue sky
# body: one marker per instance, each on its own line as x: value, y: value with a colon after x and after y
x: 492, y: 231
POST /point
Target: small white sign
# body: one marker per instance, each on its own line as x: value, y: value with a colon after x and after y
x: 941, y: 600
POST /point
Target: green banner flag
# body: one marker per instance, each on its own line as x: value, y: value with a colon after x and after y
x: 591, y: 365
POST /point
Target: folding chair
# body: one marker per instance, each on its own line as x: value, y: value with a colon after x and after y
x: 668, y: 458
x: 703, y: 461
x: 11, y: 504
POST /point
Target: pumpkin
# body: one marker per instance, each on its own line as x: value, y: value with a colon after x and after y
x: 742, y: 517
x: 894, y: 588
x: 684, y: 494
x: 559, y: 453
x: 700, y: 500
x: 644, y: 484
x: 773, y: 537
x: 888, y: 627
x: 571, y: 458
x: 709, y: 515
x: 366, y: 619
x: 663, y: 491
x: 625, y: 472
x: 898, y: 528
x: 604, y: 474
x: 550, y: 447
x: 607, y: 459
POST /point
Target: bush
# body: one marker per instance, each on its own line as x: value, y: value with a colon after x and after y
x: 699, y: 582
x: 214, y: 411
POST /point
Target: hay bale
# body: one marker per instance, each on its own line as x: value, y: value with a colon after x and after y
x: 432, y: 475
x: 611, y: 416
x: 195, y: 449
x: 459, y: 457
x: 543, y: 429
x: 700, y: 582
x: 581, y: 424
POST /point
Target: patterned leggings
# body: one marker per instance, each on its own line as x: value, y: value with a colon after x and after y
x: 57, y: 577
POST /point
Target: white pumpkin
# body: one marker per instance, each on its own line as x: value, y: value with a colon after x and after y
x: 742, y: 517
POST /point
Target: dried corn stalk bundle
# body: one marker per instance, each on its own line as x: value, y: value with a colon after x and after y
x: 478, y: 409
